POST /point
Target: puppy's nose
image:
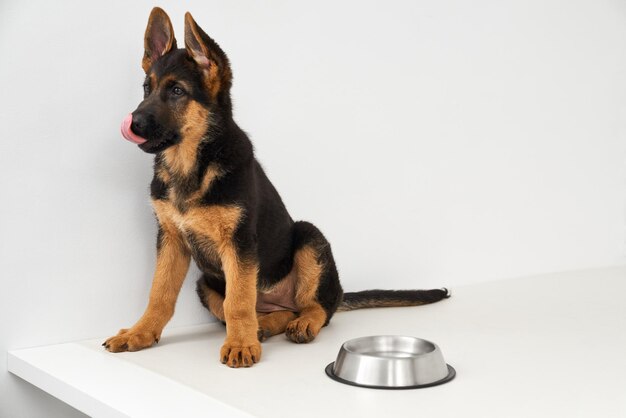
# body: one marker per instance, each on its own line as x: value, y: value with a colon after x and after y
x: 140, y: 123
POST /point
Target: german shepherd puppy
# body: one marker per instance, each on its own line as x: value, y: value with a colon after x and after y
x: 262, y: 273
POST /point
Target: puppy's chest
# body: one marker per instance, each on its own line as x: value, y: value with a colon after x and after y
x: 205, y: 228
x: 214, y: 222
x: 182, y: 202
x: 207, y: 231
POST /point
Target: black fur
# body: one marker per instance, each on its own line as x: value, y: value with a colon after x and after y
x: 267, y: 234
x: 386, y: 298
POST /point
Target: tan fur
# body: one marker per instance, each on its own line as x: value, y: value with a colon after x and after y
x: 270, y: 324
x: 171, y: 268
x: 212, y: 173
x: 181, y: 216
x: 213, y: 81
x: 273, y: 323
x: 241, y: 346
x: 170, y: 80
x: 215, y: 224
x: 181, y: 158
x: 214, y: 301
x: 146, y: 62
x: 184, y: 202
x: 153, y: 81
x: 307, y: 326
x: 312, y: 316
x: 218, y: 223
x: 215, y: 76
x: 163, y: 175
x: 208, y: 249
x: 167, y: 81
x: 309, y: 271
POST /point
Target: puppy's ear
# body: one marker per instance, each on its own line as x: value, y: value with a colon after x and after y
x: 159, y: 38
x: 208, y: 55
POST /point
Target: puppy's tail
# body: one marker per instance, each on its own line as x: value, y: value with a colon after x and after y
x: 390, y: 298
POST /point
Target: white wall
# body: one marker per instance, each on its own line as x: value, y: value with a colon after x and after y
x: 434, y: 142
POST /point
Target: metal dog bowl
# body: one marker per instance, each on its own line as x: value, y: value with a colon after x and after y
x: 390, y: 362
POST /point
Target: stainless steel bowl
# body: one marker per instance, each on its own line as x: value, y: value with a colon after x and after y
x: 390, y: 362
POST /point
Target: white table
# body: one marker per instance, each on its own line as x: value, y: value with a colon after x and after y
x: 545, y: 346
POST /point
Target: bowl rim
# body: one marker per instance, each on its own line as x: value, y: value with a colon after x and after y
x: 330, y: 373
x: 413, y: 356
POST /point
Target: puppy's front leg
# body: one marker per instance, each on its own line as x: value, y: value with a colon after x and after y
x: 171, y: 268
x: 242, y: 347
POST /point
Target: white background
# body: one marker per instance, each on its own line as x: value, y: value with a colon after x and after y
x: 433, y: 142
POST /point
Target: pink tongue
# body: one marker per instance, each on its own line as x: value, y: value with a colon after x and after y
x: 128, y: 133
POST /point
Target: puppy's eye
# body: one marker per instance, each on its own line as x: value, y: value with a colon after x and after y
x: 177, y: 91
x: 146, y: 89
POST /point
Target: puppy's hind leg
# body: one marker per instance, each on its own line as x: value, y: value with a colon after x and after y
x: 273, y: 323
x: 318, y: 292
x: 270, y: 324
x: 211, y: 298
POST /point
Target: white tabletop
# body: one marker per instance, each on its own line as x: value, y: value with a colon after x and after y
x: 545, y: 346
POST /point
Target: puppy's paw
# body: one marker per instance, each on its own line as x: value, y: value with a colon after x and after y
x: 263, y: 334
x: 235, y: 354
x: 130, y: 340
x: 302, y: 330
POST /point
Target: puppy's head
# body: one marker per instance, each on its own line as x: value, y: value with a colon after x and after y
x: 184, y: 89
